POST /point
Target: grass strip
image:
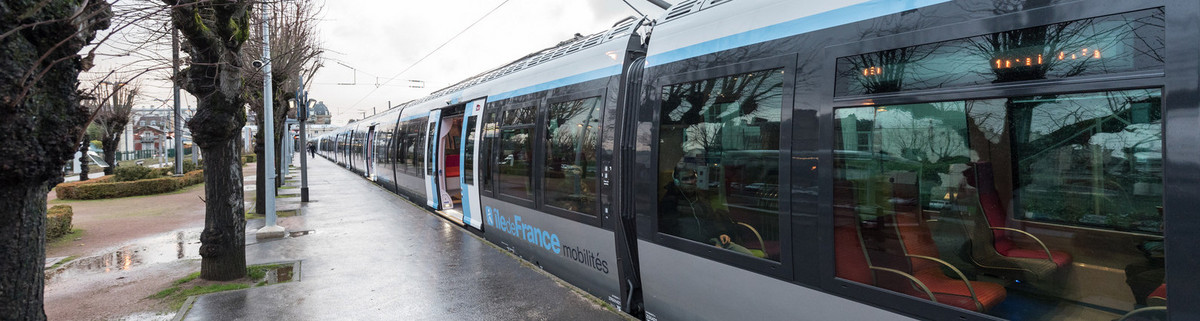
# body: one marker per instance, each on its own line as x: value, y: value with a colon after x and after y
x: 179, y: 291
x: 64, y: 261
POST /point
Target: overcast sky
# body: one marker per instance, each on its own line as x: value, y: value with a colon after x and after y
x: 380, y: 38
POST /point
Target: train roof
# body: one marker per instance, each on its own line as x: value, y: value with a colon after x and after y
x: 621, y: 30
x: 694, y: 28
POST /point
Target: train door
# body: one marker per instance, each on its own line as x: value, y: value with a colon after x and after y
x: 449, y: 151
x: 431, y: 175
x: 472, y: 212
x: 369, y: 154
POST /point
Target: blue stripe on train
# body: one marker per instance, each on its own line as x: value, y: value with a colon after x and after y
x: 836, y: 17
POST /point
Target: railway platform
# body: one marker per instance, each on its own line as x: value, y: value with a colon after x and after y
x: 370, y: 255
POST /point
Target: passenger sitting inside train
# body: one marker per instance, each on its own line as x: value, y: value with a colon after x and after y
x: 683, y: 212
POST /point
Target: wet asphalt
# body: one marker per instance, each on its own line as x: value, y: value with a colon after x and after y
x: 373, y: 256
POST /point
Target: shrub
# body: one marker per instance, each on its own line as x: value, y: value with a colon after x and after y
x: 71, y: 190
x: 189, y: 166
x: 133, y: 173
x: 58, y: 221
x: 249, y: 158
x: 160, y: 172
x: 100, y: 190
x: 192, y: 178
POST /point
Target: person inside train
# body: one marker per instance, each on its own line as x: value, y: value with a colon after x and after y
x: 684, y: 212
x: 1145, y: 276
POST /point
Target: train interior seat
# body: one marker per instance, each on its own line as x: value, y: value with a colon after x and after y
x: 992, y: 246
x: 1158, y: 297
x: 918, y: 247
x: 1146, y: 314
x: 852, y: 260
x: 893, y: 238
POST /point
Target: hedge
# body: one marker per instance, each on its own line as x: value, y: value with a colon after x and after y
x: 249, y: 158
x: 66, y: 188
x: 98, y: 190
x: 58, y: 221
x: 134, y: 173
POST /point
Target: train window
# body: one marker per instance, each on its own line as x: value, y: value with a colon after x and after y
x: 1033, y: 208
x: 468, y: 164
x: 400, y: 144
x: 516, y: 150
x: 418, y: 144
x: 719, y: 162
x: 570, y: 172
x: 430, y: 168
x: 1109, y: 44
x: 491, y: 133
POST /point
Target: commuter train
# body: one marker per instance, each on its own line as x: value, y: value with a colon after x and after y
x: 831, y: 160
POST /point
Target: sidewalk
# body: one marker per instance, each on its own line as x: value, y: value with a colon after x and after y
x: 373, y: 256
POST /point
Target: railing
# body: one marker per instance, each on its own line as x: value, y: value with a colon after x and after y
x: 149, y: 153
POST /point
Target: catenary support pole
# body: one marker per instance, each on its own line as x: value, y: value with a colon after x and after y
x: 302, y: 114
x: 270, y: 229
x: 178, y: 115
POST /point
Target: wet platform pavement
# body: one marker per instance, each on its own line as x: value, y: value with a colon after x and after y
x: 371, y: 255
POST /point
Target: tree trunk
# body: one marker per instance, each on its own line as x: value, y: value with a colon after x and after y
x: 40, y: 121
x: 216, y: 32
x: 110, y: 154
x: 83, y: 158
x: 23, y: 225
x: 278, y: 158
x: 281, y: 109
x: 260, y: 182
x: 224, y: 236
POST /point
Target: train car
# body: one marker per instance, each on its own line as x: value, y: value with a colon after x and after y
x: 517, y: 154
x: 768, y: 159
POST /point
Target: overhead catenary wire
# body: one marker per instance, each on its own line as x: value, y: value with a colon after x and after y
x: 435, y: 50
x: 635, y: 9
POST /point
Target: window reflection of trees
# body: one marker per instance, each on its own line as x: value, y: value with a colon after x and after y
x: 1091, y: 159
x: 726, y: 131
x: 1116, y: 43
x: 1081, y: 159
x: 516, y: 178
x: 571, y: 154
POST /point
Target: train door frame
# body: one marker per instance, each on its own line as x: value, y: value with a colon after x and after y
x: 445, y: 131
x: 471, y: 201
x: 434, y: 120
x: 369, y: 153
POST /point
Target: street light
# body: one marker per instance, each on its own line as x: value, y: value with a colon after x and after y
x: 270, y: 229
x: 175, y: 87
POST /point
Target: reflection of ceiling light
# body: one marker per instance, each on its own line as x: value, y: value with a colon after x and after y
x: 612, y: 54
x: 881, y: 109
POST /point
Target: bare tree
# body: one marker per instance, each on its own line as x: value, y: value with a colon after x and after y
x: 111, y: 119
x: 41, y: 120
x: 215, y: 32
x: 295, y: 53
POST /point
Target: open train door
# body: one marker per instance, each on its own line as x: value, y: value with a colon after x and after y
x: 472, y: 210
x: 431, y: 160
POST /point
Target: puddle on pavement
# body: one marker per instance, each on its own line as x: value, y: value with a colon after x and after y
x: 300, y: 233
x: 159, y: 249
x: 280, y: 275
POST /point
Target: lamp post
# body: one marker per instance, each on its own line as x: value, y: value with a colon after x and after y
x: 270, y: 229
x: 302, y: 116
x: 178, y: 117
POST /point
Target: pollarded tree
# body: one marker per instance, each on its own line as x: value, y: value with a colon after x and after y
x: 295, y: 52
x: 111, y: 119
x: 215, y: 32
x: 41, y: 121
